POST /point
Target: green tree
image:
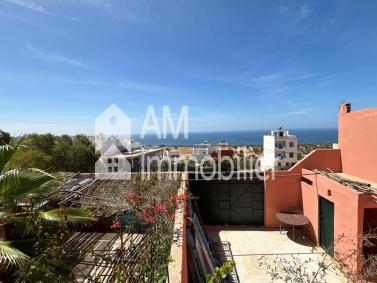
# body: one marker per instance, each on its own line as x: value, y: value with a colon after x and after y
x: 55, y: 153
x: 31, y: 158
x: 83, y: 155
x: 44, y: 143
x: 62, y: 154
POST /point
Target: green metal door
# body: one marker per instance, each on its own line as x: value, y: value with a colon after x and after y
x: 230, y: 202
x: 326, y: 225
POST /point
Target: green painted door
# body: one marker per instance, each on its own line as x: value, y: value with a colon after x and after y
x: 326, y: 225
x: 230, y: 202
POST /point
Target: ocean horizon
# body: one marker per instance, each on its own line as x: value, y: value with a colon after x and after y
x: 245, y: 137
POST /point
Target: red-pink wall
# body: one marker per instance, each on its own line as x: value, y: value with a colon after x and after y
x: 283, y: 188
x: 358, y: 142
x: 349, y: 208
x: 346, y: 204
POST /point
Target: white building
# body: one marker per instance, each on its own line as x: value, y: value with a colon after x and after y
x: 202, y: 150
x: 279, y: 150
x: 137, y: 160
x: 123, y: 155
x: 172, y: 154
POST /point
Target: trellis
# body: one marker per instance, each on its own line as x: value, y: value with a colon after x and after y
x: 102, y: 197
x: 142, y: 254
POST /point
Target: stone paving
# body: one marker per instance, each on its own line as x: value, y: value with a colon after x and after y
x: 251, y: 245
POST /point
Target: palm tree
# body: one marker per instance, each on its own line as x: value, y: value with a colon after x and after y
x: 22, y: 194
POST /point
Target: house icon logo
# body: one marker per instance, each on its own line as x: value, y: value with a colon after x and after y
x: 112, y: 131
x: 113, y: 122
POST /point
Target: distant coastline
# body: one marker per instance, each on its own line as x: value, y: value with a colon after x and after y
x: 234, y: 138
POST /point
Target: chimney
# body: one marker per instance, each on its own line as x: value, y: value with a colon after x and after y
x: 345, y: 108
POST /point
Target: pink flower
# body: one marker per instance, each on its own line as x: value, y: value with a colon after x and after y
x: 115, y: 225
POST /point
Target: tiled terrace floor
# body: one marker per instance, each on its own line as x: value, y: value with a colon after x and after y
x: 249, y: 244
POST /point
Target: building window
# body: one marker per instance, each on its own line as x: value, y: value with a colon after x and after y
x: 291, y: 155
x: 279, y: 164
x: 280, y: 144
x: 280, y: 154
x: 291, y: 144
x: 109, y: 160
x: 109, y: 169
x: 115, y: 169
x: 115, y: 160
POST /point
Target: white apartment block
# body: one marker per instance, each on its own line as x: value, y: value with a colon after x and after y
x: 172, y: 154
x: 279, y: 150
x: 202, y: 150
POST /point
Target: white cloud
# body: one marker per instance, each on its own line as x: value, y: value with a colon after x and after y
x: 30, y: 5
x: 57, y: 58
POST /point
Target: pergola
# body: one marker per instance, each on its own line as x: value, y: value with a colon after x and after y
x: 97, y: 256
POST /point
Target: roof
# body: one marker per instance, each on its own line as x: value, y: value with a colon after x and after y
x: 358, y: 184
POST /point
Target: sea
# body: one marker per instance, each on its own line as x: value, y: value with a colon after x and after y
x: 249, y: 137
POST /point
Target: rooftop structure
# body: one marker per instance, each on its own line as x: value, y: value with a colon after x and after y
x: 334, y: 189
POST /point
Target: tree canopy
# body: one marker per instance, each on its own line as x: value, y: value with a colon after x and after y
x: 56, y: 153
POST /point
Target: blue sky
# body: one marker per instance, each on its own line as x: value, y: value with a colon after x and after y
x: 238, y: 65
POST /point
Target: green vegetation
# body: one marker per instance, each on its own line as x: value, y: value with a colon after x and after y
x: 53, y: 153
x: 221, y: 272
x: 35, y: 250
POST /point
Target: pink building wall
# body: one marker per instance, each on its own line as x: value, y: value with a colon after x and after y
x: 283, y: 191
x: 358, y: 142
x: 349, y: 208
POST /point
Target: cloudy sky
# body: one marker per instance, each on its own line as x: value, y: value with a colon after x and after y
x: 237, y: 65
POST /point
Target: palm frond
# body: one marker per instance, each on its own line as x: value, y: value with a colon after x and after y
x: 75, y: 216
x: 15, y: 183
x: 10, y: 256
x: 7, y: 151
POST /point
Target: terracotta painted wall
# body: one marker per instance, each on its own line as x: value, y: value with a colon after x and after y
x: 349, y: 208
x: 345, y: 199
x: 281, y: 194
x: 358, y: 142
x: 284, y: 191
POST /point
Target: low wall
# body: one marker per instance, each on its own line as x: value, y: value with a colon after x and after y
x: 177, y: 269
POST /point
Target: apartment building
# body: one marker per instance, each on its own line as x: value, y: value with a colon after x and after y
x: 279, y: 150
x: 202, y: 150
